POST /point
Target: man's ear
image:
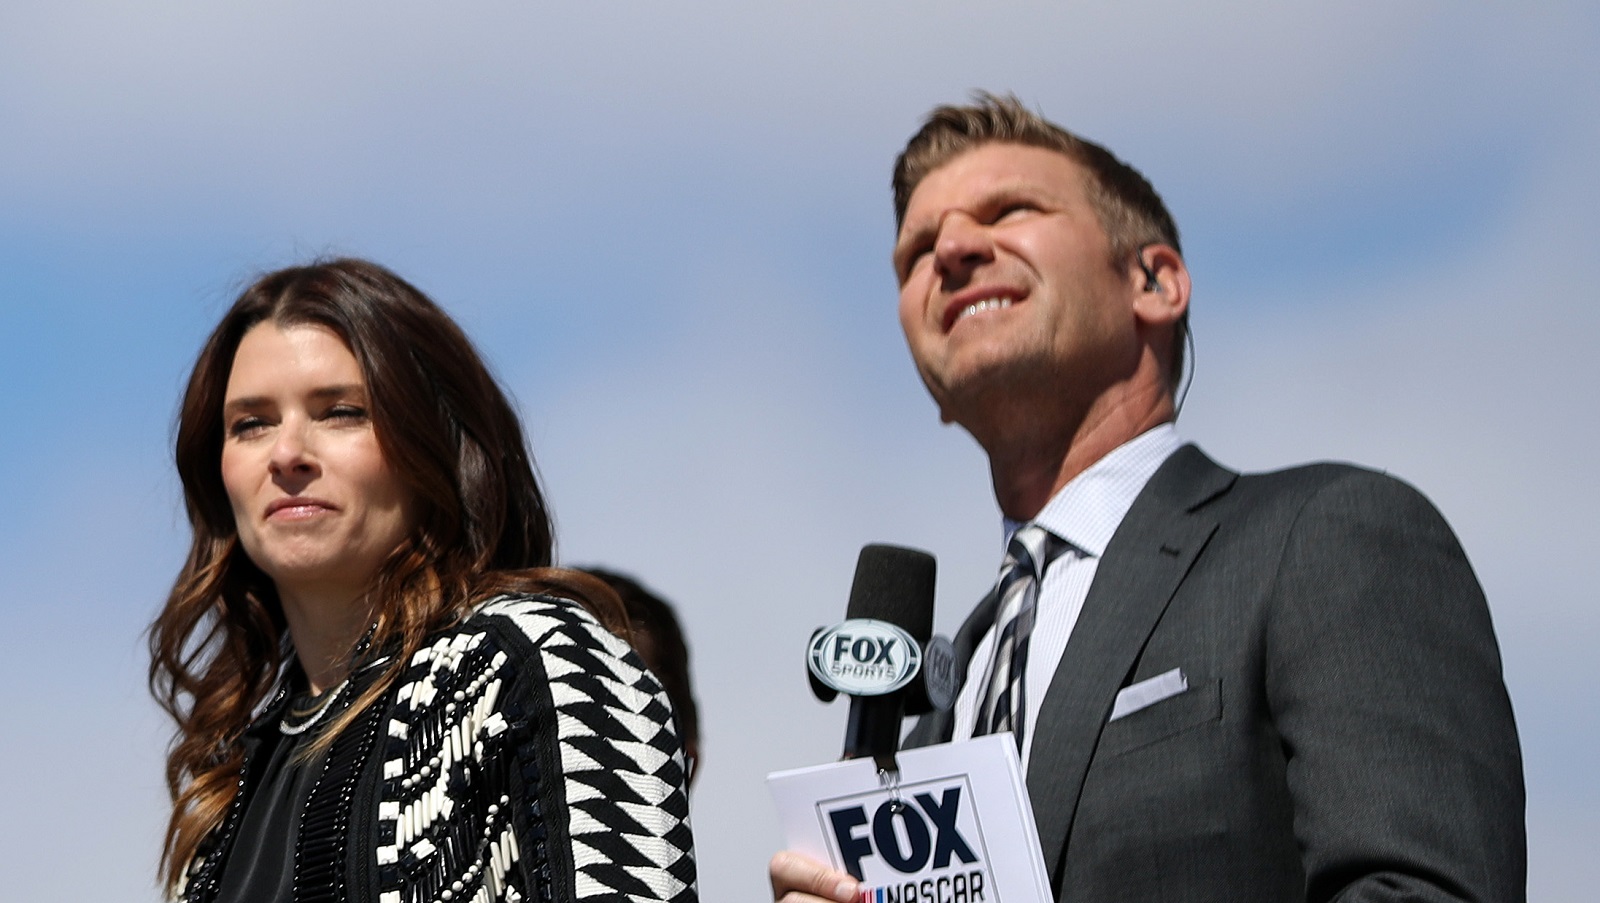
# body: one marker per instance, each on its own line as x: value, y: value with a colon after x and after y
x: 1164, y: 285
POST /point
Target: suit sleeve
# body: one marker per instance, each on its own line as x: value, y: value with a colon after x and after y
x: 1384, y: 683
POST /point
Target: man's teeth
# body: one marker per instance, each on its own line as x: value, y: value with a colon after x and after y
x: 985, y: 304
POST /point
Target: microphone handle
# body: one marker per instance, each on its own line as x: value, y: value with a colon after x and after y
x: 874, y: 729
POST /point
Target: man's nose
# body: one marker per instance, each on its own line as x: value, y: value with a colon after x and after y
x: 964, y: 243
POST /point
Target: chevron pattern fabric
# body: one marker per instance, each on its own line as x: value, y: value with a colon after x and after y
x: 524, y: 755
x: 510, y: 773
x: 622, y: 767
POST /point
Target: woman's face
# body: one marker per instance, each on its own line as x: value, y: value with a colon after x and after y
x: 316, y: 506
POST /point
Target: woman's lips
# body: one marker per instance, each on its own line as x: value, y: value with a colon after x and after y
x: 297, y: 507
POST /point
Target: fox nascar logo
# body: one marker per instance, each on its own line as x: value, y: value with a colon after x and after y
x: 921, y: 844
x: 864, y: 657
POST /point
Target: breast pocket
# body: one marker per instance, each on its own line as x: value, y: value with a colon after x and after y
x: 1195, y: 707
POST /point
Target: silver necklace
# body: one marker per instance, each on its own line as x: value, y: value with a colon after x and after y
x: 295, y: 722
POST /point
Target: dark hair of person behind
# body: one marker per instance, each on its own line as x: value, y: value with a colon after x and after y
x: 660, y: 642
x: 447, y: 431
x: 1127, y: 205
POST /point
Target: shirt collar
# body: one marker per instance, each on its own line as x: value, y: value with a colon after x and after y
x: 1088, y: 510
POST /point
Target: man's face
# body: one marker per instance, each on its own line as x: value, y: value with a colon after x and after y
x: 1007, y: 285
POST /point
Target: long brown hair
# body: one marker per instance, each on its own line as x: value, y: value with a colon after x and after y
x: 447, y: 431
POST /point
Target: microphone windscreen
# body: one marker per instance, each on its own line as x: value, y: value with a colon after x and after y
x: 895, y: 584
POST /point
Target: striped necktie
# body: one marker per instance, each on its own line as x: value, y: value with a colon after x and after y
x: 1004, y: 704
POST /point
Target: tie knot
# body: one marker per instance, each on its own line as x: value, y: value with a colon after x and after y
x: 1031, y: 548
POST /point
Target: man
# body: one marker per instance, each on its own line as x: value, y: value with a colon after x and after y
x: 1225, y: 688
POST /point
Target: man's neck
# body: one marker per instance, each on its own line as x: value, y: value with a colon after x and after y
x: 1029, y: 467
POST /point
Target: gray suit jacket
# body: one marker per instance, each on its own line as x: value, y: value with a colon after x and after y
x: 1346, y: 733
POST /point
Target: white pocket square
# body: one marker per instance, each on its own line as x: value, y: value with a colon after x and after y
x: 1147, y: 693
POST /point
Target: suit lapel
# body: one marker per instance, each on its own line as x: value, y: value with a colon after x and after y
x: 1144, y: 563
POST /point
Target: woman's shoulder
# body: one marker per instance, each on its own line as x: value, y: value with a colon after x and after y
x: 541, y: 650
x: 530, y: 702
x: 542, y: 620
x: 512, y: 631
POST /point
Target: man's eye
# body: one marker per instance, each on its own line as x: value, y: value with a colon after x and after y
x: 914, y: 257
x: 1014, y: 211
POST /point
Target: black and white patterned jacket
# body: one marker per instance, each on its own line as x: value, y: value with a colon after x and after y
x: 525, y: 755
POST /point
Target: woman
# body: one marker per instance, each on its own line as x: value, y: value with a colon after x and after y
x: 383, y: 692
x: 657, y: 636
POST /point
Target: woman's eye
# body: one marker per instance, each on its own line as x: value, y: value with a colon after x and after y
x: 245, y: 427
x: 347, y: 412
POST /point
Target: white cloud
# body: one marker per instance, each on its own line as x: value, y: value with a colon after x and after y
x: 82, y: 755
x: 1468, y: 376
x: 254, y: 103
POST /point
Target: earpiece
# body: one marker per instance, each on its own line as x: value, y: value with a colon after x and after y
x: 1151, y: 283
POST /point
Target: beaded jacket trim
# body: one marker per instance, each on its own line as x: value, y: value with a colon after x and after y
x: 525, y: 756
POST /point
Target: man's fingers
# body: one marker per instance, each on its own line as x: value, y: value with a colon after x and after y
x: 798, y: 879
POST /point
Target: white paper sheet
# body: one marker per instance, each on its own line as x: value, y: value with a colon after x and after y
x: 962, y: 831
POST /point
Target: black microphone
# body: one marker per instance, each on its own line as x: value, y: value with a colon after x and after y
x: 883, y: 655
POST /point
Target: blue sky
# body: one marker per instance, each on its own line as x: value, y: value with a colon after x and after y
x: 668, y: 228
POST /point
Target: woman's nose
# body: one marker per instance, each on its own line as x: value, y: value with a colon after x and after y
x: 291, y: 452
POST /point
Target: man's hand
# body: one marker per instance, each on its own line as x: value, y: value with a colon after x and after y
x: 797, y: 879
